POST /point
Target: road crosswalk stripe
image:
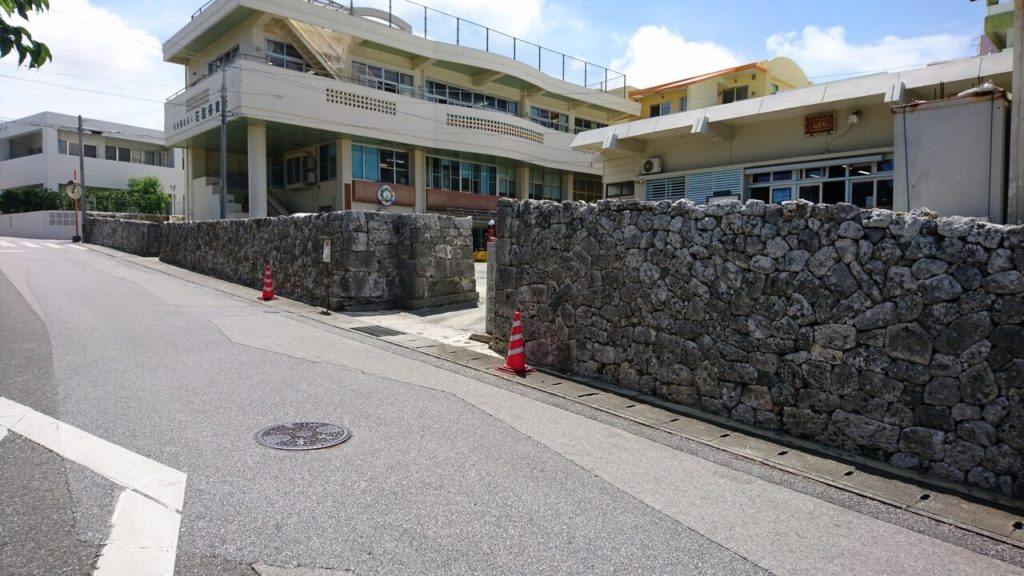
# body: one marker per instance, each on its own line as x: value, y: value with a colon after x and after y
x: 52, y: 246
x: 143, y: 537
x: 29, y: 244
x: 76, y: 247
x: 7, y: 244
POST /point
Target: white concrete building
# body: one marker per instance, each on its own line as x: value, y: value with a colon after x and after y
x: 42, y: 150
x: 842, y: 141
x: 332, y: 106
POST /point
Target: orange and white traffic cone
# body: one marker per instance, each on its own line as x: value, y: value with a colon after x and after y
x: 268, y: 284
x: 515, y: 362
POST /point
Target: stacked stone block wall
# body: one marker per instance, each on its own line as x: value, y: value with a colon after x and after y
x: 377, y: 258
x: 133, y: 233
x: 894, y: 336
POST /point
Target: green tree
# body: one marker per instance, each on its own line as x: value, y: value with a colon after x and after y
x: 18, y: 38
x: 146, y: 195
x: 17, y: 200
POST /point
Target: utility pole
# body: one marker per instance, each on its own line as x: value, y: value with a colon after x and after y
x: 223, y: 142
x: 81, y: 170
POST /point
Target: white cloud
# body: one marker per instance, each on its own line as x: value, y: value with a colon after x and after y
x: 825, y: 54
x: 102, y: 68
x: 522, y: 22
x: 656, y: 55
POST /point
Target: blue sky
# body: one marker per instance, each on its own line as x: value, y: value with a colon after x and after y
x: 108, y: 65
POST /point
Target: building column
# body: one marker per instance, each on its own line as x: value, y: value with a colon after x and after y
x: 419, y: 178
x: 344, y: 172
x: 1015, y: 189
x: 523, y: 180
x: 567, y: 186
x: 257, y: 153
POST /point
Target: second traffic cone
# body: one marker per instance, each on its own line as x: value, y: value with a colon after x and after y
x: 268, y: 284
x: 515, y: 363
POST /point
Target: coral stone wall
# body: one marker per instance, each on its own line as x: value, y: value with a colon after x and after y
x: 139, y: 234
x: 377, y: 258
x: 895, y: 336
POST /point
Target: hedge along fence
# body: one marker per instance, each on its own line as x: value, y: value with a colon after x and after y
x: 378, y: 258
x: 894, y: 336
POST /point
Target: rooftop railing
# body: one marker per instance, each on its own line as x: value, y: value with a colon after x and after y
x: 439, y: 26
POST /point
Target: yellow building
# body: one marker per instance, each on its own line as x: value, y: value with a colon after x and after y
x: 721, y: 87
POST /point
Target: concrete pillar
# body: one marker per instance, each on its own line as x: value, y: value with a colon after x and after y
x: 257, y: 153
x: 344, y: 171
x: 419, y: 178
x: 567, y: 186
x: 523, y: 182
x: 1015, y: 190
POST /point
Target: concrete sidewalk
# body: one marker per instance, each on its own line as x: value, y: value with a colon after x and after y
x: 446, y: 333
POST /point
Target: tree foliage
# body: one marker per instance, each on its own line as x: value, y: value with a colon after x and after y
x: 17, y: 200
x: 18, y: 38
x: 146, y: 195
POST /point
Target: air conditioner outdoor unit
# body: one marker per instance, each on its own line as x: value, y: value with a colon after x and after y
x: 651, y: 166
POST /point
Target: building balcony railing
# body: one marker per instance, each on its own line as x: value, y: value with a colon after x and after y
x: 418, y: 92
x: 439, y: 26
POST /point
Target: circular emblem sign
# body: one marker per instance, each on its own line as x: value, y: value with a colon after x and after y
x: 385, y: 195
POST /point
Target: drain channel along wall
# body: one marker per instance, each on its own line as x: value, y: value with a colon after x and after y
x: 378, y: 258
x: 890, y: 335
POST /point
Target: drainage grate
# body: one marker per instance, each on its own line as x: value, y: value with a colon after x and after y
x: 378, y: 331
x: 303, y: 436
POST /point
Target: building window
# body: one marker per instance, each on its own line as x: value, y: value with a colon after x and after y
x: 619, y: 190
x: 448, y: 94
x: 62, y: 146
x: 545, y: 184
x: 136, y: 156
x: 380, y: 164
x: 110, y: 152
x: 285, y: 55
x: 149, y: 157
x: 774, y: 88
x: 124, y: 155
x: 223, y: 60
x: 661, y: 109
x: 549, y: 119
x: 734, y: 94
x: 506, y: 182
x: 383, y: 78
x: 865, y: 184
x: 293, y: 170
x: 582, y: 125
x: 586, y: 189
x: 657, y: 189
x: 682, y: 104
x: 471, y: 177
x: 275, y: 172
x: 328, y: 161
x: 89, y: 150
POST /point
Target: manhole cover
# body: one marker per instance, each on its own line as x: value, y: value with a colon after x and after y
x: 303, y: 436
x: 378, y: 331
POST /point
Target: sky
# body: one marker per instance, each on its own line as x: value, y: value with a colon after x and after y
x: 107, y: 59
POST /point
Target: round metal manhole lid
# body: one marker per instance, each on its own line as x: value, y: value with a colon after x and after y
x: 303, y: 436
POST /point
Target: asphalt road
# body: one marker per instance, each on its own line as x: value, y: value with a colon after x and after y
x: 449, y: 470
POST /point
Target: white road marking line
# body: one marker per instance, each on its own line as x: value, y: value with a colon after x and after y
x: 143, y: 539
x: 12, y: 251
x: 144, y: 529
x: 161, y: 483
x: 76, y: 247
x: 6, y: 244
x: 52, y: 246
x: 29, y: 244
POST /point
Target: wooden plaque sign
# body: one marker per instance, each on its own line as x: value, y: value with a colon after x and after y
x: 815, y: 124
